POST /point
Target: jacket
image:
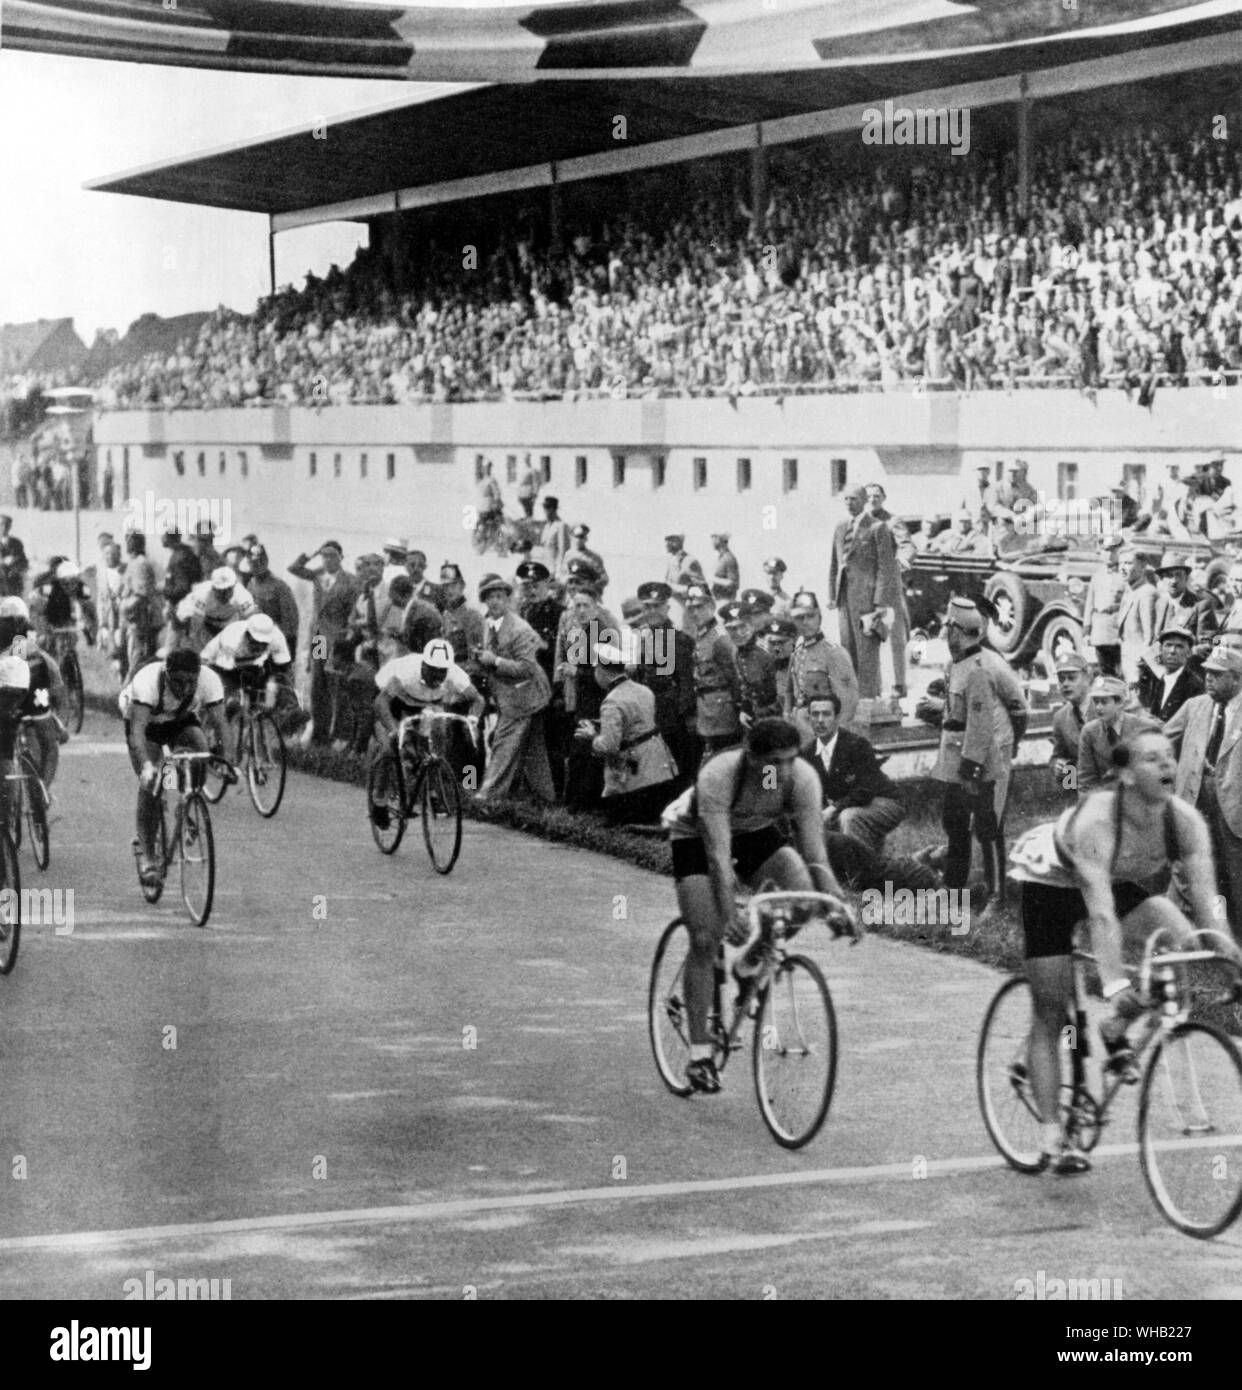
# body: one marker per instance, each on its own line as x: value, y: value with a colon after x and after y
x: 1095, y: 753
x: 1189, y: 730
x: 517, y: 682
x: 635, y: 755
x: 854, y: 777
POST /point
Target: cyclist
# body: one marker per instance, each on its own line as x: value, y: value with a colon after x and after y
x: 165, y: 703
x: 251, y: 650
x: 14, y: 687
x: 210, y: 607
x: 727, y: 823
x: 1107, y: 860
x: 45, y: 698
x: 56, y: 593
x: 411, y: 683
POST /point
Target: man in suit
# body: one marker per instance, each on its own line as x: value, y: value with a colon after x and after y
x: 1179, y: 682
x: 1111, y: 724
x: 858, y: 799
x: 1074, y: 680
x: 336, y: 593
x: 1136, y: 615
x: 1207, y: 735
x: 864, y: 579
x: 1101, y: 607
x: 519, y: 691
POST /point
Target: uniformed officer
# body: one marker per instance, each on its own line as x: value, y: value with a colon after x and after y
x: 1100, y: 609
x: 754, y: 665
x: 727, y: 579
x: 717, y: 684
x: 984, y: 715
x: 581, y: 551
x: 777, y: 637
x: 817, y: 666
x: 759, y: 601
x: 463, y: 626
x: 775, y: 570
x: 667, y: 670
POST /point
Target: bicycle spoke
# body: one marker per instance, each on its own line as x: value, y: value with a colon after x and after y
x: 1002, y: 1073
x: 795, y: 1053
x: 198, y: 872
x: 668, y: 1021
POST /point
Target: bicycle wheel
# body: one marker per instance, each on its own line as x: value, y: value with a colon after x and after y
x: 35, y: 801
x: 265, y: 769
x: 72, y: 674
x: 795, y: 1052
x: 441, y: 803
x: 17, y: 805
x: 1190, y: 1129
x: 198, y: 859
x: 667, y: 1020
x: 10, y: 903
x: 1005, y: 1098
x: 386, y: 802
x: 152, y: 892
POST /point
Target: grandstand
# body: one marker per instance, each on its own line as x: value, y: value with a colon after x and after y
x: 708, y: 308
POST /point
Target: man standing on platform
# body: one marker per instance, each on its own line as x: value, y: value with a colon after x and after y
x: 864, y: 585
x: 727, y: 580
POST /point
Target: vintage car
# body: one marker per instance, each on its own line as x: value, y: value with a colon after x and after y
x: 1036, y: 598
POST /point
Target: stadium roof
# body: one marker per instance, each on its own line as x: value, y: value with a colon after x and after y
x: 367, y: 161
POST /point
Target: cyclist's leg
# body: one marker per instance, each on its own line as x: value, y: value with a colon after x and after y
x: 1049, y: 917
x: 47, y: 750
x: 697, y: 905
x: 148, y: 811
x: 192, y: 738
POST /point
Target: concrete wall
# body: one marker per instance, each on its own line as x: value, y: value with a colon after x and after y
x: 924, y: 448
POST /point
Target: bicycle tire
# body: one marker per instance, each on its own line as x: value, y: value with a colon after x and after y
x: 388, y: 836
x: 263, y: 774
x: 152, y: 892
x: 35, y: 802
x: 796, y: 1038
x: 1193, y: 1055
x: 667, y: 1021
x: 71, y: 673
x: 195, y: 834
x: 10, y: 903
x: 1010, y: 1115
x: 438, y: 782
x: 17, y: 809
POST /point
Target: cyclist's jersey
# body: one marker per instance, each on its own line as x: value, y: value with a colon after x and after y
x: 721, y: 791
x: 38, y: 702
x: 1045, y: 854
x: 208, y: 616
x: 14, y: 686
x: 407, y: 672
x: 225, y: 652
x: 149, y: 687
x: 59, y: 596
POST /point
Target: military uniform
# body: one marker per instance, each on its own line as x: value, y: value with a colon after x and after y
x: 758, y: 674
x: 818, y: 666
x: 985, y: 712
x: 669, y: 675
x: 465, y: 632
x: 593, y: 559
x: 717, y: 688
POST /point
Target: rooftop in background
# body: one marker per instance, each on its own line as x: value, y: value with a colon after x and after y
x: 481, y: 133
x: 46, y: 345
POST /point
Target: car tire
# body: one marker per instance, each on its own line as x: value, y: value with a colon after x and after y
x: 916, y: 647
x: 1007, y: 594
x: 1057, y: 631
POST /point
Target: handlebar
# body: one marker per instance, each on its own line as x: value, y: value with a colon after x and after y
x: 835, y: 910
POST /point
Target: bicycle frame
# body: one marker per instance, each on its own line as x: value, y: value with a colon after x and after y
x: 179, y: 761
x: 423, y: 735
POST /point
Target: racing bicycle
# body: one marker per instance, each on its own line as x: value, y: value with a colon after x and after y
x: 63, y: 647
x: 794, y: 1050
x: 184, y: 835
x: 28, y: 801
x: 260, y: 750
x: 1190, y: 1089
x: 412, y: 776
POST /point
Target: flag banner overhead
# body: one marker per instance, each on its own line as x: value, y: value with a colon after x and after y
x: 605, y: 38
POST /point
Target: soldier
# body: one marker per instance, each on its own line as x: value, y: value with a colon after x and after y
x: 581, y: 551
x: 1101, y: 609
x: 775, y: 568
x: 754, y: 665
x: 464, y: 628
x: 817, y: 666
x: 777, y: 637
x: 726, y: 580
x: 717, y: 684
x: 667, y: 670
x: 982, y: 718
x: 1074, y: 681
x: 759, y: 601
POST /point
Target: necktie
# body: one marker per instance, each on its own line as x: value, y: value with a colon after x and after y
x: 1215, y: 737
x: 1112, y: 737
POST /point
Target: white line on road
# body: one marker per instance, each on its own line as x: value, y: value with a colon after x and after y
x: 469, y: 1206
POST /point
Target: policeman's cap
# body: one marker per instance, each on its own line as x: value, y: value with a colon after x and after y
x: 1114, y: 688
x: 1071, y: 661
x: 532, y: 571
x: 698, y: 593
x: 655, y: 591
x: 775, y: 565
x: 757, y: 600
x: 804, y: 601
x: 736, y: 612
x: 779, y: 627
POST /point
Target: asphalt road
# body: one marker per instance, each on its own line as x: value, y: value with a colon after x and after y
x: 387, y: 1084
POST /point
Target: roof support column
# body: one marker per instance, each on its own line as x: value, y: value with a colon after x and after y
x: 271, y: 256
x: 555, y: 229
x: 1024, y: 147
x: 759, y: 187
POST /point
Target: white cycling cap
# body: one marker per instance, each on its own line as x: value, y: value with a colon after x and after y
x: 261, y: 628
x: 13, y: 607
x: 223, y: 578
x: 438, y: 654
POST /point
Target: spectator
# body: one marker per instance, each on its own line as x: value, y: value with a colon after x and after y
x: 273, y: 597
x: 1074, y: 682
x: 859, y: 800
x: 335, y: 594
x: 13, y: 562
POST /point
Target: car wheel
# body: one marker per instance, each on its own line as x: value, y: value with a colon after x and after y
x: 1061, y: 634
x: 916, y: 647
x: 1007, y: 595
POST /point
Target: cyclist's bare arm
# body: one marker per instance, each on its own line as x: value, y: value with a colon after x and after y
x: 716, y: 831
x: 1198, y: 867
x: 214, y: 715
x: 477, y: 703
x: 1093, y: 851
x: 383, y: 709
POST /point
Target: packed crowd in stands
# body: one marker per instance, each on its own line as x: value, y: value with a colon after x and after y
x: 1126, y: 274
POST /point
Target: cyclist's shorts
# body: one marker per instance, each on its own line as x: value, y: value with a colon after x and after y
x: 1050, y: 914
x: 165, y: 731
x: 750, y: 853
